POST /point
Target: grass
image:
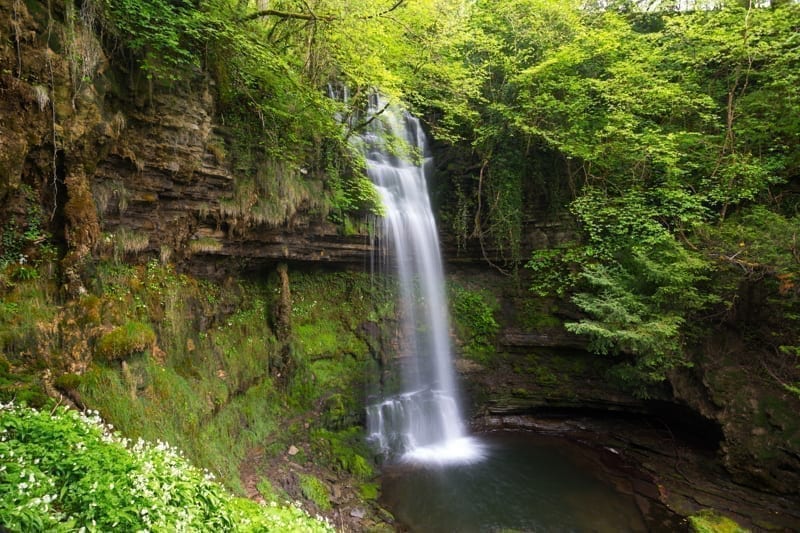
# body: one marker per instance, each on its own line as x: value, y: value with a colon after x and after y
x: 272, y: 195
x: 131, y: 242
x: 125, y: 340
x: 205, y: 245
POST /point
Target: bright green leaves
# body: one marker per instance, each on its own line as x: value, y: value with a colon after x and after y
x: 607, y: 100
x: 665, y: 126
x: 65, y: 471
x: 164, y: 35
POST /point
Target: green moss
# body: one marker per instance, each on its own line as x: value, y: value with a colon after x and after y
x: 208, y: 387
x: 344, y: 450
x: 709, y: 521
x: 316, y: 491
x: 89, y: 310
x: 543, y: 375
x: 369, y: 491
x: 335, y: 373
x: 521, y: 392
x: 124, y: 341
x: 473, y: 317
x: 535, y: 313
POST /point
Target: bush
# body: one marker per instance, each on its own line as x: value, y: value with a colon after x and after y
x: 125, y: 340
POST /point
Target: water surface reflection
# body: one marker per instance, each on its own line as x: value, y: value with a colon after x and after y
x: 526, y: 483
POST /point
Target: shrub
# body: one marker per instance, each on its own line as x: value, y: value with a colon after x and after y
x: 125, y: 340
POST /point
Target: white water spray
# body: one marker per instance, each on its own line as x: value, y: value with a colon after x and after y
x: 423, y: 423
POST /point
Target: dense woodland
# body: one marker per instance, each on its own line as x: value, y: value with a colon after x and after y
x: 668, y: 133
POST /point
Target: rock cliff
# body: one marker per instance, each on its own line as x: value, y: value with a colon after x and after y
x: 125, y: 168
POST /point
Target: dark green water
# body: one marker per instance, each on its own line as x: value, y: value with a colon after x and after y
x: 526, y: 483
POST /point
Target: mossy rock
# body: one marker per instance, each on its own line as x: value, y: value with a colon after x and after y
x: 710, y: 521
x: 124, y: 341
x: 369, y: 490
x: 315, y: 490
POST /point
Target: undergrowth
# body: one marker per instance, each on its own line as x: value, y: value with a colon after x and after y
x: 65, y: 471
x: 166, y: 357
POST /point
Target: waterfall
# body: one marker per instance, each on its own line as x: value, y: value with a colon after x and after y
x: 423, y: 422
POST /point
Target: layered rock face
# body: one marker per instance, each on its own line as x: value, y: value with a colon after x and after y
x: 166, y: 187
x: 128, y: 170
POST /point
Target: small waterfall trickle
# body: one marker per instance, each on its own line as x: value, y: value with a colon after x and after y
x: 423, y: 422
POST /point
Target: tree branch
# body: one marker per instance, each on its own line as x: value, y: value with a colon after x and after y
x: 312, y: 16
x: 286, y: 15
x: 383, y: 13
x: 365, y: 123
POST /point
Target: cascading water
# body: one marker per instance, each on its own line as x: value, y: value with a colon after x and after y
x: 422, y: 422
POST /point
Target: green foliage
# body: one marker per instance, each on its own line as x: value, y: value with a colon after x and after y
x: 65, y: 470
x: 552, y: 272
x: 638, y: 307
x: 163, y: 35
x: 355, y: 194
x: 124, y: 341
x: 24, y: 244
x: 659, y: 128
x: 709, y: 521
x: 474, y: 320
x: 27, y: 314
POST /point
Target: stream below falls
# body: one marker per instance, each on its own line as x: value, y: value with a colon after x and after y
x: 527, y: 482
